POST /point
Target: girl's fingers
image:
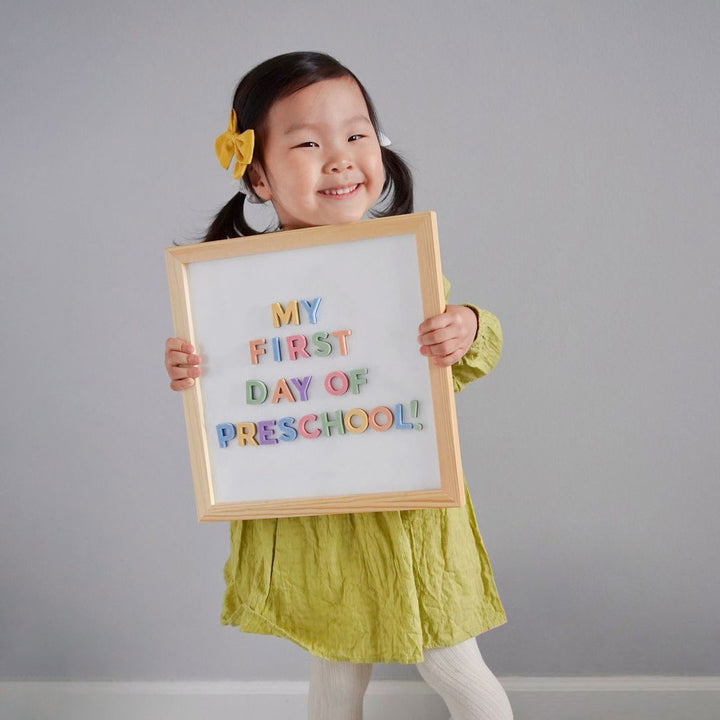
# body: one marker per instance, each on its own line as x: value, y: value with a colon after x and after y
x: 450, y: 349
x: 179, y: 373
x: 176, y: 343
x: 437, y: 336
x: 442, y: 348
x: 450, y: 359
x: 181, y: 363
x: 448, y: 325
x: 435, y: 322
x: 176, y: 358
x: 182, y: 384
x: 179, y: 352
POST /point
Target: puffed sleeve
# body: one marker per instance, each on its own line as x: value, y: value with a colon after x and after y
x: 484, y: 353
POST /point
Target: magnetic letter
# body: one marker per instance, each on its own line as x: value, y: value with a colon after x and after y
x: 302, y: 423
x: 226, y: 433
x: 311, y: 308
x: 372, y: 418
x: 250, y: 386
x: 336, y: 422
x: 399, y: 424
x: 282, y: 316
x: 350, y: 414
x: 282, y: 392
x: 341, y: 335
x: 256, y: 350
x: 293, y: 350
x: 302, y: 385
x: 288, y: 431
x: 246, y: 433
x: 356, y: 380
x: 264, y: 430
x: 343, y: 382
x: 324, y: 348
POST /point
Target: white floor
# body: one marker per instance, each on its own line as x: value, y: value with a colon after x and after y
x: 610, y: 698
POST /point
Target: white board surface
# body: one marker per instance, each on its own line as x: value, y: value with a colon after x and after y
x: 370, y: 287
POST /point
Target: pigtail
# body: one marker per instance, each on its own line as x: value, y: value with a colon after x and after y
x: 398, y: 186
x: 230, y: 221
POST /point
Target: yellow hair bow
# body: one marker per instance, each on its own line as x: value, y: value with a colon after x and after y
x: 231, y: 142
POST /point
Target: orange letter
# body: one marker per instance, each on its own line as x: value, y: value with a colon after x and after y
x: 256, y: 350
x: 282, y: 391
x: 373, y: 418
x: 341, y: 335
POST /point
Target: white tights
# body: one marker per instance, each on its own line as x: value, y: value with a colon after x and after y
x: 459, y: 674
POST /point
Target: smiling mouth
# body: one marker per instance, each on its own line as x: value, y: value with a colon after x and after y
x: 340, y: 192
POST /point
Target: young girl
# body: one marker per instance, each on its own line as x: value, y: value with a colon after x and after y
x: 409, y: 586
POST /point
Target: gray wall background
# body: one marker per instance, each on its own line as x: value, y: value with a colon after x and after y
x: 570, y: 150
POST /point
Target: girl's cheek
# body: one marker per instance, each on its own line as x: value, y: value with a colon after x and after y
x: 380, y: 172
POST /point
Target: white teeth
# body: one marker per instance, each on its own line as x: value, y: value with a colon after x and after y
x: 340, y: 192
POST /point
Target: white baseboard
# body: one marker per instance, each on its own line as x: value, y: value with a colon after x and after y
x: 532, y: 698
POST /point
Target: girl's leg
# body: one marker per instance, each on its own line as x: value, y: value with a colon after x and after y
x: 465, y: 682
x: 337, y: 689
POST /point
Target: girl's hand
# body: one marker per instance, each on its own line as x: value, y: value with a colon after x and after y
x: 181, y: 363
x: 447, y: 336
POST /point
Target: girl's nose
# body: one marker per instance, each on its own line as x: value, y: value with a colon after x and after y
x: 338, y: 164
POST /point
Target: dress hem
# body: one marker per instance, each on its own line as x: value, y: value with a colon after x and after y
x: 267, y: 627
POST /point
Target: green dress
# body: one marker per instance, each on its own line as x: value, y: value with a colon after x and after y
x: 370, y: 587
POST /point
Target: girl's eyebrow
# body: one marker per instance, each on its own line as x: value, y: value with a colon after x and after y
x: 314, y: 126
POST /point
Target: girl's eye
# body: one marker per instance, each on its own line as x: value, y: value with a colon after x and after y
x: 312, y: 142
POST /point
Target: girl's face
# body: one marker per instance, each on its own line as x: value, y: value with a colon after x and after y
x: 320, y: 139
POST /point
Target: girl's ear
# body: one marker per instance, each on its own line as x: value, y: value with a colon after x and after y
x: 256, y: 176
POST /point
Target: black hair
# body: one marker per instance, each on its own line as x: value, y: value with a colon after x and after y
x: 277, y: 78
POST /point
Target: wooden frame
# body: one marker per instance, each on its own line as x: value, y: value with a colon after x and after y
x: 186, y: 263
